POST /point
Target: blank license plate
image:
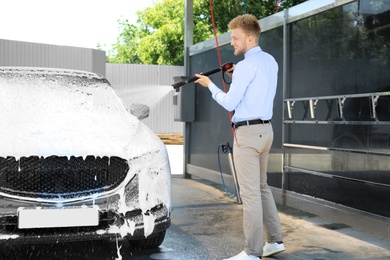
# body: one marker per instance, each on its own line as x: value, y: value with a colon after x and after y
x: 57, y: 217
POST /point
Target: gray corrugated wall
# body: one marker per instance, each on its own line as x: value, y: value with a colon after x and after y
x: 149, y: 85
x: 28, y: 54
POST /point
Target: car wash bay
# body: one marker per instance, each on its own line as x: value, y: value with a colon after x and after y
x: 206, y: 225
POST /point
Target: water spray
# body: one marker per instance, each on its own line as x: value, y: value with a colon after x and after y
x: 222, y: 68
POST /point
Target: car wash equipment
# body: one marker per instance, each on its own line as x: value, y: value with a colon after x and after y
x: 223, y: 68
x: 226, y: 148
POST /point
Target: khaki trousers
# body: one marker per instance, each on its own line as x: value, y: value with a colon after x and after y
x: 250, y: 152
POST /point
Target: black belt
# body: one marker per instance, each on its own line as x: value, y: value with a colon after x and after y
x: 250, y: 122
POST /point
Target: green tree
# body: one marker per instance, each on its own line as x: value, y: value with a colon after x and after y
x: 125, y: 50
x: 158, y: 35
x: 225, y: 11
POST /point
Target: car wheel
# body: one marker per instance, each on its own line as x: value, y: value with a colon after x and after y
x: 150, y: 242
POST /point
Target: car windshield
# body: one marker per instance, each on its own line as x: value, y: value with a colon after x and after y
x: 51, y: 112
x: 55, y: 93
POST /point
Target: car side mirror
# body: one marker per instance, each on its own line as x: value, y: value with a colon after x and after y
x: 141, y: 111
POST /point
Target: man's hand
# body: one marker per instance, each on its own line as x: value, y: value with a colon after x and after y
x: 229, y: 72
x: 202, y: 80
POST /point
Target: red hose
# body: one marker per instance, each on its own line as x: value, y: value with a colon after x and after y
x: 277, y: 6
x: 219, y: 54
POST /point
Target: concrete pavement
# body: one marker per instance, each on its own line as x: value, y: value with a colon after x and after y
x: 206, y: 224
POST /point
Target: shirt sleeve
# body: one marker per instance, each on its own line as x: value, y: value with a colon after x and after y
x: 242, y: 76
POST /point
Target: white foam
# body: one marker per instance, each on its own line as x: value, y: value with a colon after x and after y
x: 43, y: 115
x: 3, y: 237
x: 62, y: 122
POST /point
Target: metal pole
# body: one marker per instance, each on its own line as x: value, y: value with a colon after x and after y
x: 188, y: 31
x: 229, y: 151
x: 285, y: 90
x: 188, y: 41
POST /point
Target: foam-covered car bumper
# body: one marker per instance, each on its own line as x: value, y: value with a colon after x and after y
x: 11, y: 234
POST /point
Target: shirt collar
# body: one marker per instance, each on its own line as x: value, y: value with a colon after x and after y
x: 252, y: 51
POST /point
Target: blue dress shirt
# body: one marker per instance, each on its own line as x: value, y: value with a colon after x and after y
x: 252, y: 91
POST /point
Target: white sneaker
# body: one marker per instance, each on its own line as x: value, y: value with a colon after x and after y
x: 273, y: 248
x: 243, y: 256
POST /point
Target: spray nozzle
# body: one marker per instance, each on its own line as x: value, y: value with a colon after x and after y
x: 222, y: 68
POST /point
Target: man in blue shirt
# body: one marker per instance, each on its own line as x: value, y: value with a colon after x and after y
x: 251, y: 96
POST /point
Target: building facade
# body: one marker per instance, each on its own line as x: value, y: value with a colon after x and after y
x: 331, y: 119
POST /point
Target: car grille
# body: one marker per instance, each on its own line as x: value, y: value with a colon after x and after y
x: 59, y: 176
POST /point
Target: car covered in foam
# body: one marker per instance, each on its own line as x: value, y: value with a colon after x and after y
x: 75, y: 164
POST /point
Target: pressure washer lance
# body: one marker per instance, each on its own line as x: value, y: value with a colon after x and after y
x: 223, y: 68
x: 229, y: 151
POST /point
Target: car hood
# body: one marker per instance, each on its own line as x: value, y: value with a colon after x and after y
x: 66, y: 134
